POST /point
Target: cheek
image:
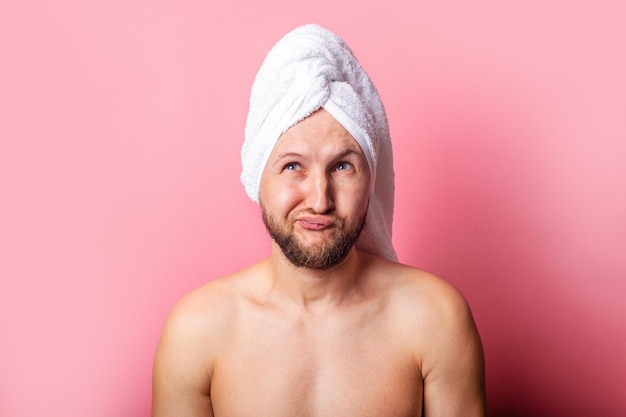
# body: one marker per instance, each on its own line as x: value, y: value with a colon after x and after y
x: 279, y: 195
x: 355, y: 196
x: 362, y: 200
x: 287, y: 196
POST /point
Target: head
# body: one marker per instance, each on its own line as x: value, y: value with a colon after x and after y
x: 314, y: 192
x: 310, y: 69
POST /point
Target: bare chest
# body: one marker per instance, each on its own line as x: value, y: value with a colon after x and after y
x: 346, y: 366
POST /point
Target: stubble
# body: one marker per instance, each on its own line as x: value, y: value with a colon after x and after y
x: 319, y: 257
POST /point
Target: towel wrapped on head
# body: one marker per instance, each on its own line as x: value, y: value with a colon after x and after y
x: 308, y: 69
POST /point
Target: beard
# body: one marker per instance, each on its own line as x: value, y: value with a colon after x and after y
x: 319, y: 257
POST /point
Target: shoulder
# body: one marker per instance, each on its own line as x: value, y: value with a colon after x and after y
x: 199, y: 325
x: 432, y: 312
x: 213, y: 300
x: 215, y: 304
x: 201, y: 313
x: 195, y: 333
x: 431, y: 296
x: 418, y: 292
x: 436, y: 325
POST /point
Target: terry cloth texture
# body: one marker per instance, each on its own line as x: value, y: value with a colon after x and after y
x: 308, y: 69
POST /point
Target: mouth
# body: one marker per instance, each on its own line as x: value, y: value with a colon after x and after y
x: 315, y: 222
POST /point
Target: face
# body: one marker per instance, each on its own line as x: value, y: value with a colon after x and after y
x: 315, y: 191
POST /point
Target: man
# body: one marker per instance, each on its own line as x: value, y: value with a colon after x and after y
x: 330, y: 324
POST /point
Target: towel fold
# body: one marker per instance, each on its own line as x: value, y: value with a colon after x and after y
x: 308, y: 69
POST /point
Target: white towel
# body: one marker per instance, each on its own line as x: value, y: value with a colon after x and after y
x: 308, y: 69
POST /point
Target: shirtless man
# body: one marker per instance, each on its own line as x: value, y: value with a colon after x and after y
x: 322, y: 327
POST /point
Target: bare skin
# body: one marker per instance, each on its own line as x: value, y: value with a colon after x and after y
x: 365, y: 337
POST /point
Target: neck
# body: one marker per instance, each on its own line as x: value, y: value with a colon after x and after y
x: 310, y: 287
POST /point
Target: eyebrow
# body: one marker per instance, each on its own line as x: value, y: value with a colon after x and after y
x: 348, y: 151
x: 352, y: 150
x: 288, y: 155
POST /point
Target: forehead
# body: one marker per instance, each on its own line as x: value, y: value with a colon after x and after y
x: 317, y: 131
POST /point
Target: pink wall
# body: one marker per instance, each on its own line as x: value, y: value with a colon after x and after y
x: 120, y: 129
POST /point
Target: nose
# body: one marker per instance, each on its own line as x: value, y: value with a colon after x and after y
x: 320, y: 193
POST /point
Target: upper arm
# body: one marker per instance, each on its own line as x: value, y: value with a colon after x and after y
x: 453, y: 363
x: 183, y: 364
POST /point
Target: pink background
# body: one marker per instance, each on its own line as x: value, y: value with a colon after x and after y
x: 120, y: 129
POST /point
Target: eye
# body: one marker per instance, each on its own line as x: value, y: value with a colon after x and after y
x: 292, y: 166
x: 342, y: 166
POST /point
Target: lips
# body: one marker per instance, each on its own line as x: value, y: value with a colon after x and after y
x: 315, y: 222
